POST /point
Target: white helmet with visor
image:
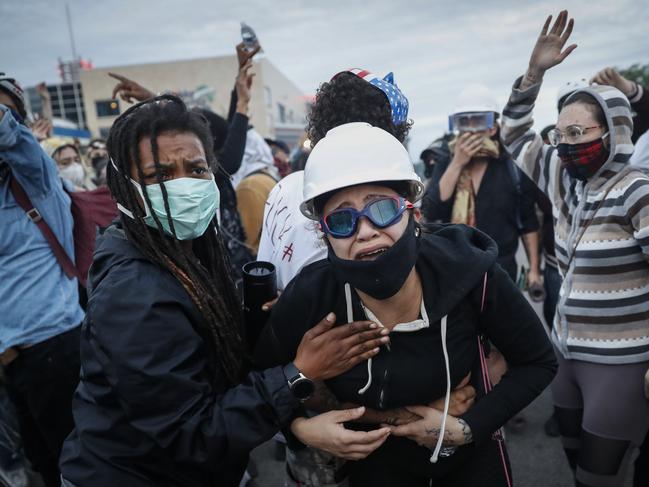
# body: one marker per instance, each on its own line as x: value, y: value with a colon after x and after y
x: 476, y: 110
x: 356, y: 153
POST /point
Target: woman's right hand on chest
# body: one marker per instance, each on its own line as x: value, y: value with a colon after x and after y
x: 327, y: 351
x: 327, y: 432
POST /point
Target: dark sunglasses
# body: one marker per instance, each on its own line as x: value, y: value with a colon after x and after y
x: 382, y: 213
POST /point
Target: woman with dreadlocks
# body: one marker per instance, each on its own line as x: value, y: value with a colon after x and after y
x: 165, y: 397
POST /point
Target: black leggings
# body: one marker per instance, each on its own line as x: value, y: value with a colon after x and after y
x: 602, y: 416
x: 594, y: 459
x: 480, y: 466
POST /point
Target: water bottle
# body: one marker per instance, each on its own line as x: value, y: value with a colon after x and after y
x: 259, y: 287
x: 248, y: 36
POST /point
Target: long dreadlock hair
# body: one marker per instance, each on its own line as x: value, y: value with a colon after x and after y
x: 203, y: 273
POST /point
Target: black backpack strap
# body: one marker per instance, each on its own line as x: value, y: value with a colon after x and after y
x: 515, y: 176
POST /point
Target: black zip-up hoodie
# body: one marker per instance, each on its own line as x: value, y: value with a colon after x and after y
x: 452, y: 262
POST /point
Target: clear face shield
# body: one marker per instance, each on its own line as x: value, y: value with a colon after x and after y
x: 471, y: 122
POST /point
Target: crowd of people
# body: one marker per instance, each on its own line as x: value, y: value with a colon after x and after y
x: 402, y: 340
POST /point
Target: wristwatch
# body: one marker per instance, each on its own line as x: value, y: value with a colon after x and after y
x: 301, y: 386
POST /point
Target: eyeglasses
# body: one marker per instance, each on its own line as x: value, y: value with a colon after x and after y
x: 571, y: 134
x: 382, y: 213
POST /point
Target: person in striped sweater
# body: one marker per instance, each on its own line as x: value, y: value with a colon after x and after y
x: 601, y: 221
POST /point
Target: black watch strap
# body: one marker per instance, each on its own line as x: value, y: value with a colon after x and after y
x: 301, y: 386
x: 291, y: 372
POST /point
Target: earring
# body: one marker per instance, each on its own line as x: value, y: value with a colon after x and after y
x: 417, y: 231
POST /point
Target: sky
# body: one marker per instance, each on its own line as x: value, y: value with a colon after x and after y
x: 435, y: 48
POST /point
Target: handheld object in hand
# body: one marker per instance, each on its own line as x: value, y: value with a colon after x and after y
x: 259, y: 287
x: 536, y: 292
x: 248, y: 36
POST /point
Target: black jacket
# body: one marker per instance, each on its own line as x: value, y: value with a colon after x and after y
x: 451, y: 264
x: 500, y: 211
x: 145, y: 411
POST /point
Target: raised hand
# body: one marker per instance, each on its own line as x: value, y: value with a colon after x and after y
x: 549, y: 48
x: 610, y: 77
x: 129, y: 89
x: 466, y: 148
x: 41, y: 89
x: 42, y: 129
x: 244, y: 55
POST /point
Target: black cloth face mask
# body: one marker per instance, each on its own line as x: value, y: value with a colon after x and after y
x: 384, y: 276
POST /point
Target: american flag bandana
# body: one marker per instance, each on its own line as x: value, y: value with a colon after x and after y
x: 398, y: 101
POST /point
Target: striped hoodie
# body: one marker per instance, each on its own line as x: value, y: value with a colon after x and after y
x: 601, y: 234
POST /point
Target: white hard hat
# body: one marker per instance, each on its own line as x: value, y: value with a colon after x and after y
x: 356, y: 153
x: 570, y: 87
x: 476, y: 98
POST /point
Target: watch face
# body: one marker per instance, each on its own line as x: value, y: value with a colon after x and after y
x: 303, y: 388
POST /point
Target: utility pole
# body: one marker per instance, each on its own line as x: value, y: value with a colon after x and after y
x: 75, y: 67
x: 74, y: 49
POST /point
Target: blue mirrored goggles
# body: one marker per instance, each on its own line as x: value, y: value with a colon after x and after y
x: 382, y: 213
x: 471, y: 122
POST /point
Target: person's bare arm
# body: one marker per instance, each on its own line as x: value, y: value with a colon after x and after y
x: 531, y: 244
x: 128, y: 89
x: 462, y: 398
x: 46, y: 101
x: 243, y: 86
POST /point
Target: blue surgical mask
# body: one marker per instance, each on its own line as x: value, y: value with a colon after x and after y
x: 192, y: 206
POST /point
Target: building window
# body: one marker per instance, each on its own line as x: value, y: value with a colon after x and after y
x: 107, y: 108
x: 269, y: 96
x: 281, y: 113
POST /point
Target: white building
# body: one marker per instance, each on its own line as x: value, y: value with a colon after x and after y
x: 277, y: 108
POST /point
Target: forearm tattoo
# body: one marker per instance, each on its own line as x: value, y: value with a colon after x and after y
x: 465, y: 432
x: 463, y: 437
x: 531, y: 78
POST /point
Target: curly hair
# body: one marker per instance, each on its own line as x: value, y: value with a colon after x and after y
x: 348, y: 98
x: 203, y: 272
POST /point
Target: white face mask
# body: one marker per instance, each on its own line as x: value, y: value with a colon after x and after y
x: 74, y: 173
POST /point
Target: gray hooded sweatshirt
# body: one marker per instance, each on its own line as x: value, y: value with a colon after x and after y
x: 601, y: 234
